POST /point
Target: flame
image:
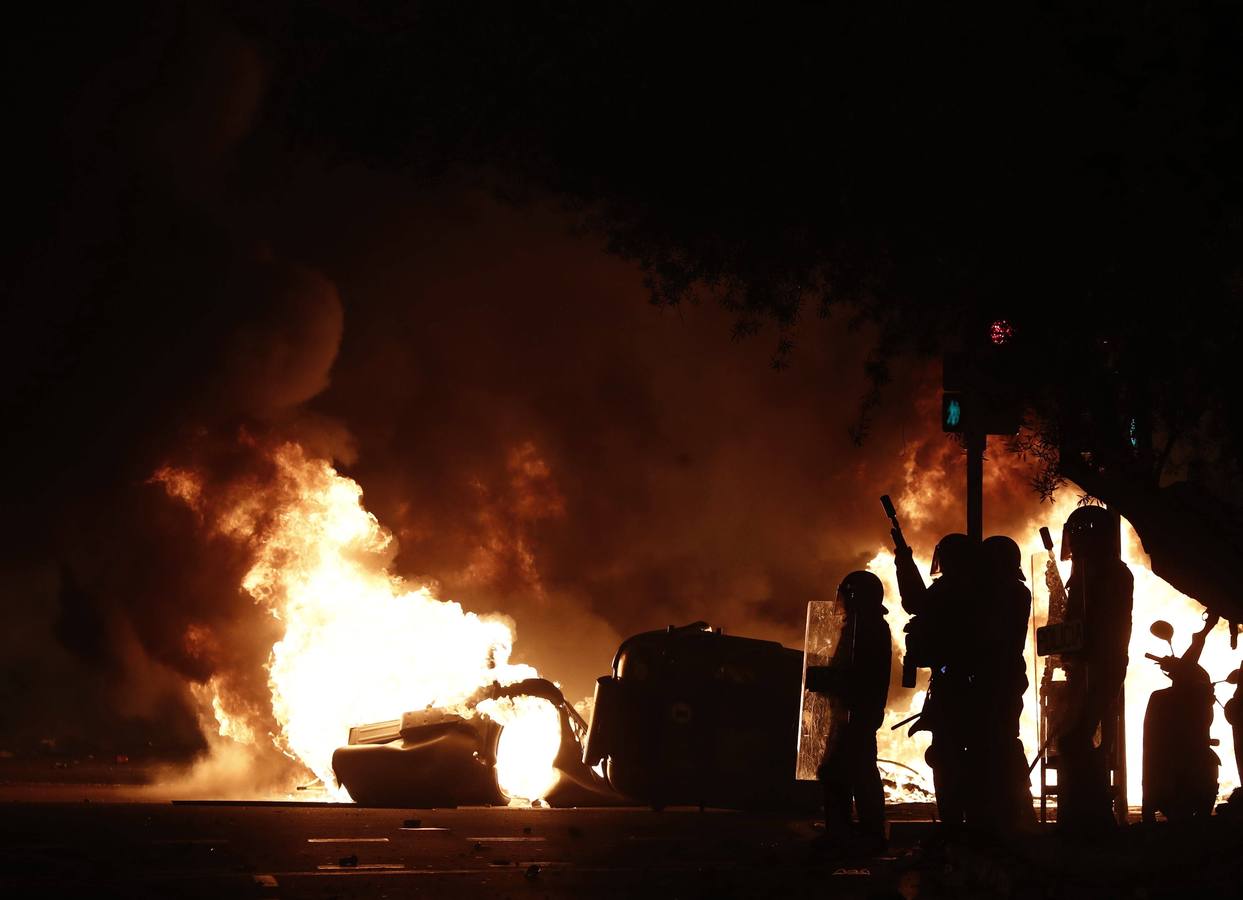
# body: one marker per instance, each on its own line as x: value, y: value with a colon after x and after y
x: 231, y: 726
x: 1154, y: 599
x: 896, y: 745
x: 360, y: 644
x: 528, y: 744
x: 902, y: 784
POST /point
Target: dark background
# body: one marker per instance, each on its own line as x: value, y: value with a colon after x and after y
x: 523, y: 271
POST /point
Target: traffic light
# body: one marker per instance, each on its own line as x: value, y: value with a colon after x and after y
x: 980, y: 386
x: 971, y: 411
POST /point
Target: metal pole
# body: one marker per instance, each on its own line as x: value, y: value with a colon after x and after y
x: 1121, y: 808
x: 976, y: 443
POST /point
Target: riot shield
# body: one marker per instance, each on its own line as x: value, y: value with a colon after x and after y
x: 1061, y: 631
x: 817, y: 713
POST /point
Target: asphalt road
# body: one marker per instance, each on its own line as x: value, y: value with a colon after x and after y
x: 93, y: 850
x: 107, y: 840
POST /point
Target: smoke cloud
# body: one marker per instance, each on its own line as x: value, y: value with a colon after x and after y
x: 541, y: 441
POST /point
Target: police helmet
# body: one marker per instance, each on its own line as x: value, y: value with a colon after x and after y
x: 861, y: 590
x: 1092, y: 531
x: 954, y: 554
x: 1003, y: 556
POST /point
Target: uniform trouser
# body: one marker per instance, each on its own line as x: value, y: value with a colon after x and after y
x: 947, y: 711
x: 1083, y: 793
x: 948, y: 758
x: 999, y: 794
x: 849, y: 772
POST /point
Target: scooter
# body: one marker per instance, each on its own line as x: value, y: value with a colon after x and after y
x: 1180, y: 767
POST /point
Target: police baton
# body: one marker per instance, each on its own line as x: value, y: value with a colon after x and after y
x: 904, y: 721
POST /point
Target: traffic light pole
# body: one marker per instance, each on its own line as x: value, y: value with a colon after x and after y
x: 976, y: 442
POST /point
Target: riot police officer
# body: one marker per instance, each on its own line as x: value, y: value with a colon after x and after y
x: 1234, y: 716
x: 1099, y: 594
x: 939, y: 638
x: 1000, y: 793
x: 857, y: 681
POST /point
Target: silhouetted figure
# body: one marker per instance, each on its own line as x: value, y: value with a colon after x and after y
x: 1099, y: 593
x: 999, y: 791
x: 1180, y: 767
x: 1234, y: 715
x: 857, y: 678
x: 939, y: 638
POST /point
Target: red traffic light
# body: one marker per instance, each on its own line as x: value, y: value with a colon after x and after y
x: 1000, y: 332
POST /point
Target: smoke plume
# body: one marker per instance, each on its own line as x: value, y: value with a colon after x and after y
x: 540, y: 440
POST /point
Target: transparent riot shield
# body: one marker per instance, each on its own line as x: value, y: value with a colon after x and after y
x: 1053, y: 635
x: 825, y: 619
x: 1057, y: 631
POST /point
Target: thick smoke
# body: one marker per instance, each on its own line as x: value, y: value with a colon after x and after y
x: 144, y: 319
x: 541, y: 441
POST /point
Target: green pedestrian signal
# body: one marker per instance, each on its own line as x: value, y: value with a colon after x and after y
x: 951, y: 412
x: 980, y: 387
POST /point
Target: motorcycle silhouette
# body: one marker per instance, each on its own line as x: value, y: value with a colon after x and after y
x: 1180, y: 767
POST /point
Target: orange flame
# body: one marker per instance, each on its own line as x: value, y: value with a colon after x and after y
x: 360, y: 644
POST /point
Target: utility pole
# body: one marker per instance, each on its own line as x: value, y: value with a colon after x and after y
x: 976, y: 442
x: 978, y: 399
